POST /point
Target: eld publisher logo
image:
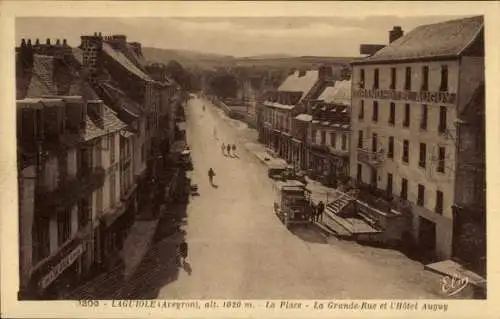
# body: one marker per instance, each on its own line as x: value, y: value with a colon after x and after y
x: 452, y: 285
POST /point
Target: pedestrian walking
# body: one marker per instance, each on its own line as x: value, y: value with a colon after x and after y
x: 228, y: 149
x: 183, y: 251
x: 223, y: 148
x: 319, y: 210
x: 234, y: 148
x: 211, y: 175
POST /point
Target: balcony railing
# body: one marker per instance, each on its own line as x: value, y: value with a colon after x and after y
x: 70, y: 192
x: 370, y: 158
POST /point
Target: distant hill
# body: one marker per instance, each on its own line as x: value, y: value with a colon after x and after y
x: 208, y: 61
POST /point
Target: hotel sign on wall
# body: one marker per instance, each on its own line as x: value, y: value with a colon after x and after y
x: 419, y: 97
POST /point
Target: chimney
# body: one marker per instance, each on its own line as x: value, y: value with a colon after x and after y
x: 48, y: 41
x: 137, y: 48
x: 58, y: 42
x: 37, y: 42
x: 325, y: 72
x: 29, y: 43
x: 91, y: 47
x: 65, y: 43
x: 119, y: 41
x: 395, y: 33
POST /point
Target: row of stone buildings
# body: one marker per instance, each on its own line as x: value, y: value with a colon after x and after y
x: 406, y: 131
x: 95, y: 125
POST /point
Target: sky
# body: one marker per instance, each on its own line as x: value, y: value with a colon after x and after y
x: 295, y: 36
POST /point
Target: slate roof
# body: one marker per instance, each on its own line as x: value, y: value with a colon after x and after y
x: 340, y: 93
x: 122, y: 101
x: 121, y: 58
x: 296, y: 83
x: 445, y: 39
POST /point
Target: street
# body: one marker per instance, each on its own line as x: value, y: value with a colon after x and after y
x: 239, y: 249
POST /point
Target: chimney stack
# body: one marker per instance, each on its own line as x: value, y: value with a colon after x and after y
x: 48, y: 41
x: 395, y: 33
x: 37, y: 42
x: 65, y: 43
x: 58, y: 42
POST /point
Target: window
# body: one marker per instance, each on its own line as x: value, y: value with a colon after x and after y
x: 41, y: 238
x: 408, y: 79
x: 444, y: 79
x: 362, y: 78
x: 373, y: 178
x: 359, y: 173
x: 423, y: 119
x: 393, y: 79
x: 323, y: 137
x: 112, y: 189
x: 439, y: 202
x: 442, y: 119
x: 390, y: 151
x: 333, y: 139
x: 441, y: 159
x: 374, y: 142
x: 406, y: 121
x: 389, y: 184
x: 375, y: 79
x: 392, y: 113
x: 361, y: 114
x: 112, y: 148
x: 423, y: 152
x: 404, y: 189
x: 406, y: 147
x: 425, y: 78
x: 83, y: 212
x: 344, y: 142
x: 360, y: 139
x: 421, y: 195
x: 63, y: 226
x: 375, y: 111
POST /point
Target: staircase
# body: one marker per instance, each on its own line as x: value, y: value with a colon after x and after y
x: 339, y: 204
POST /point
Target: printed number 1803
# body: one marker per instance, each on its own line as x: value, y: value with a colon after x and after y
x: 88, y: 303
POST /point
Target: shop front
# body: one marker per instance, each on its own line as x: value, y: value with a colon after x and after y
x: 61, y: 273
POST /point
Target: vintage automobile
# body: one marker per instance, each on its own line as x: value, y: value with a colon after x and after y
x: 293, y: 203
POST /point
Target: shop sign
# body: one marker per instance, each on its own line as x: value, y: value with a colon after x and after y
x: 420, y: 97
x: 62, y: 266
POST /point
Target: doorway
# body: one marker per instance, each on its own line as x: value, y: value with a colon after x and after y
x: 427, y: 237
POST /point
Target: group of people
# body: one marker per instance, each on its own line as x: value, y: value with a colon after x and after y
x: 228, y: 148
x: 317, y: 211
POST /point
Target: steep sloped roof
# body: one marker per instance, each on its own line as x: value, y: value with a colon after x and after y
x: 340, y: 93
x: 445, y: 39
x: 121, y: 58
x: 111, y: 121
x: 121, y: 101
x: 300, y: 83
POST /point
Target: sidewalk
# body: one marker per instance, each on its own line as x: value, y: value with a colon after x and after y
x: 137, y: 243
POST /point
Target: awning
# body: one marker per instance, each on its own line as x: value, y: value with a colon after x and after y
x: 304, y: 117
x: 126, y: 133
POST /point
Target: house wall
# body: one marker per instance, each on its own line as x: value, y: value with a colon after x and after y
x: 27, y: 186
x: 471, y: 74
x: 429, y: 177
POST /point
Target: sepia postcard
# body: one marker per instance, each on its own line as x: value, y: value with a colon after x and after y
x: 249, y: 159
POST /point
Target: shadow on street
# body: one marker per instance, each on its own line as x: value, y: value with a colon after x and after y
x: 308, y: 233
